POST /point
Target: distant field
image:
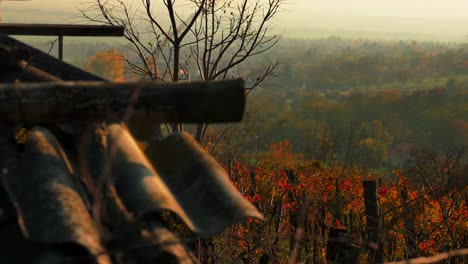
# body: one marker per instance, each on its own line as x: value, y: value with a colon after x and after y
x: 423, y: 84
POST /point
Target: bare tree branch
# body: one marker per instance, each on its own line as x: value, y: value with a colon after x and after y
x: 215, y: 39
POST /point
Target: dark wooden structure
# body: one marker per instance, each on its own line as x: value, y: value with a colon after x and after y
x: 61, y: 30
x: 78, y: 101
x: 340, y: 248
x: 78, y: 189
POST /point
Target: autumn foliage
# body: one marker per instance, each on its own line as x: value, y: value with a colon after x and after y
x: 110, y: 65
x: 302, y: 199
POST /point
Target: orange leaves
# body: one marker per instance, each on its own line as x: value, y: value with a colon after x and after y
x: 403, y: 181
x: 253, y: 198
x: 284, y: 184
x: 208, y: 145
x: 110, y: 65
x: 279, y: 157
x: 413, y: 195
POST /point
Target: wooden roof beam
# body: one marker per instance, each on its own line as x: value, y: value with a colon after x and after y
x: 22, y: 29
x: 88, y: 101
x: 61, y: 30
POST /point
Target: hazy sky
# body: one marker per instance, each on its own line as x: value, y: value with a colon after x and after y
x: 435, y: 17
x: 404, y: 8
x: 397, y: 8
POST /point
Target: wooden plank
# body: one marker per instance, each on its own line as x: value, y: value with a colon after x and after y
x: 57, y: 102
x: 61, y: 30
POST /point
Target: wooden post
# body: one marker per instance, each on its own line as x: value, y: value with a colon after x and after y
x: 60, y: 47
x: 372, y: 219
x: 308, y: 257
x: 320, y: 236
x: 294, y: 218
x: 338, y: 208
x: 409, y: 225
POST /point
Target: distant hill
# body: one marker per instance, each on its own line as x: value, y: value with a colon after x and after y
x: 303, y: 32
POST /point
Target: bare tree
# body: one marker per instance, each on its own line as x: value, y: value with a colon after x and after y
x: 193, y: 39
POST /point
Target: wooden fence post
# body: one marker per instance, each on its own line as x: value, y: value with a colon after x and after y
x: 372, y: 219
x: 409, y: 225
x: 338, y: 206
x: 294, y: 217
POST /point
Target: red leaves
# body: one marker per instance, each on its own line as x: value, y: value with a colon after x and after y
x: 345, y: 184
x: 424, y: 245
x: 253, y: 198
x: 289, y: 205
x: 338, y: 224
x: 284, y: 185
x: 313, y: 189
x: 236, y: 166
x: 383, y: 190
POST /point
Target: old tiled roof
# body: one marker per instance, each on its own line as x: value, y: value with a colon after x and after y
x: 88, y: 194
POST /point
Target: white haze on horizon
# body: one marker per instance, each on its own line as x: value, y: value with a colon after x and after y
x: 437, y: 18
